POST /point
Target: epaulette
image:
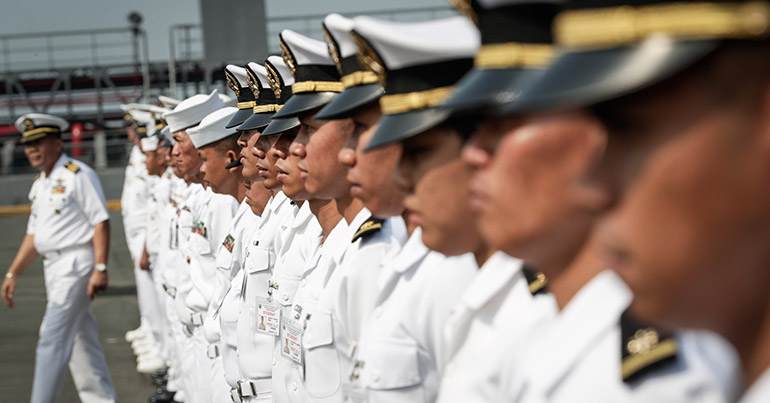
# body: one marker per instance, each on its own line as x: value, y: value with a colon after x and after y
x: 72, y: 166
x: 369, y: 227
x: 536, y: 280
x: 644, y: 348
x: 36, y: 177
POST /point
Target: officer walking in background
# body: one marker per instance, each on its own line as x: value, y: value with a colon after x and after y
x: 69, y: 227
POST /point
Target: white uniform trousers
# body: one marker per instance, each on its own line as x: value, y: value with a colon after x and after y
x: 175, y: 340
x: 68, y: 333
x: 149, y: 317
x: 197, y: 368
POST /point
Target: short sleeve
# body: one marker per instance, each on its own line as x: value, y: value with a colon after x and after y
x: 90, y: 197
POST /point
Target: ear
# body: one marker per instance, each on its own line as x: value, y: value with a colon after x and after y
x: 589, y: 193
x: 231, y: 157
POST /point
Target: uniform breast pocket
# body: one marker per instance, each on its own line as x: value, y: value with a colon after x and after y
x: 322, y: 366
x: 224, y: 258
x: 200, y: 244
x: 59, y: 201
x: 392, y: 371
x: 257, y: 270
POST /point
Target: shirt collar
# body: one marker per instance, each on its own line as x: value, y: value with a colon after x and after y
x: 494, y: 275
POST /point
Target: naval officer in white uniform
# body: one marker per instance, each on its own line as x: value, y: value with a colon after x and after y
x: 69, y: 227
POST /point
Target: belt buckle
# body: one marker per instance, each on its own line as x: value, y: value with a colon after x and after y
x: 235, y: 395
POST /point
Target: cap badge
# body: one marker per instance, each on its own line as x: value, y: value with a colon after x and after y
x: 232, y: 83
x: 274, y: 79
x: 332, y: 47
x: 465, y: 8
x: 368, y: 58
x: 29, y: 124
x: 288, y: 58
x: 253, y: 83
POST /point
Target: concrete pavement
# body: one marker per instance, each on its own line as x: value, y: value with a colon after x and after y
x: 116, y: 312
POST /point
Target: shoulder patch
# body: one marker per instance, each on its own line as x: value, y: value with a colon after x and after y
x: 536, y: 280
x: 72, y: 166
x: 369, y: 227
x: 644, y: 349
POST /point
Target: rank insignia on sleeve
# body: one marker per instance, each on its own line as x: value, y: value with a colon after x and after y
x: 72, y: 166
x: 229, y: 243
x: 199, y: 228
x: 369, y: 227
x: 644, y: 349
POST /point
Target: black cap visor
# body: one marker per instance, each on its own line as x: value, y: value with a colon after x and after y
x: 488, y: 88
x: 256, y: 121
x: 240, y: 116
x: 278, y: 126
x: 350, y: 100
x: 401, y: 126
x: 303, y: 102
x: 581, y: 79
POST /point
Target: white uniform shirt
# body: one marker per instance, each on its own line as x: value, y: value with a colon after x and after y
x: 169, y: 257
x: 133, y: 199
x: 494, y: 313
x: 229, y: 258
x: 255, y: 349
x: 65, y: 206
x: 402, y: 350
x: 577, y: 357
x: 288, y: 374
x: 209, y: 230
x: 194, y: 194
x: 759, y: 392
x: 338, y: 315
x: 160, y: 192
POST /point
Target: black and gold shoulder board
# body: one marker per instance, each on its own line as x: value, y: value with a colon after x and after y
x: 536, y: 280
x: 368, y: 228
x: 72, y: 166
x: 644, y: 349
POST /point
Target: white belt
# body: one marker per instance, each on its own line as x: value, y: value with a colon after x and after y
x: 235, y: 396
x: 53, y: 254
x: 196, y: 318
x: 255, y: 387
x: 213, y: 351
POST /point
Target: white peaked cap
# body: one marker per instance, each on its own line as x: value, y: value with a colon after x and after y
x: 239, y: 73
x: 166, y: 133
x: 150, y: 143
x: 306, y: 50
x: 168, y: 102
x: 192, y: 110
x: 339, y: 28
x: 261, y: 73
x: 212, y: 127
x: 228, y: 100
x: 41, y: 120
x: 407, y: 44
x: 283, y: 70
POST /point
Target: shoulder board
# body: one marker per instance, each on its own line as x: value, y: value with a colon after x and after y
x: 644, y: 348
x: 369, y: 227
x: 72, y: 166
x: 36, y: 177
x: 536, y: 280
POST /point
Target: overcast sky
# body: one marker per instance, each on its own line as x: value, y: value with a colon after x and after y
x: 32, y: 16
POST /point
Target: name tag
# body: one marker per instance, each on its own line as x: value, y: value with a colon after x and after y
x: 269, y: 319
x: 291, y: 342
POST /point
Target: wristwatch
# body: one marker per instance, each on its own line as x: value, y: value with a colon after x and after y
x: 100, y: 267
x: 10, y: 275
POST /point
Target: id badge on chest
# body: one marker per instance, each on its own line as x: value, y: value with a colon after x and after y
x: 291, y: 342
x: 269, y: 319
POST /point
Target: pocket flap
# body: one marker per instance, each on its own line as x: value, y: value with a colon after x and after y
x: 319, y: 331
x: 392, y: 364
x: 257, y: 259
